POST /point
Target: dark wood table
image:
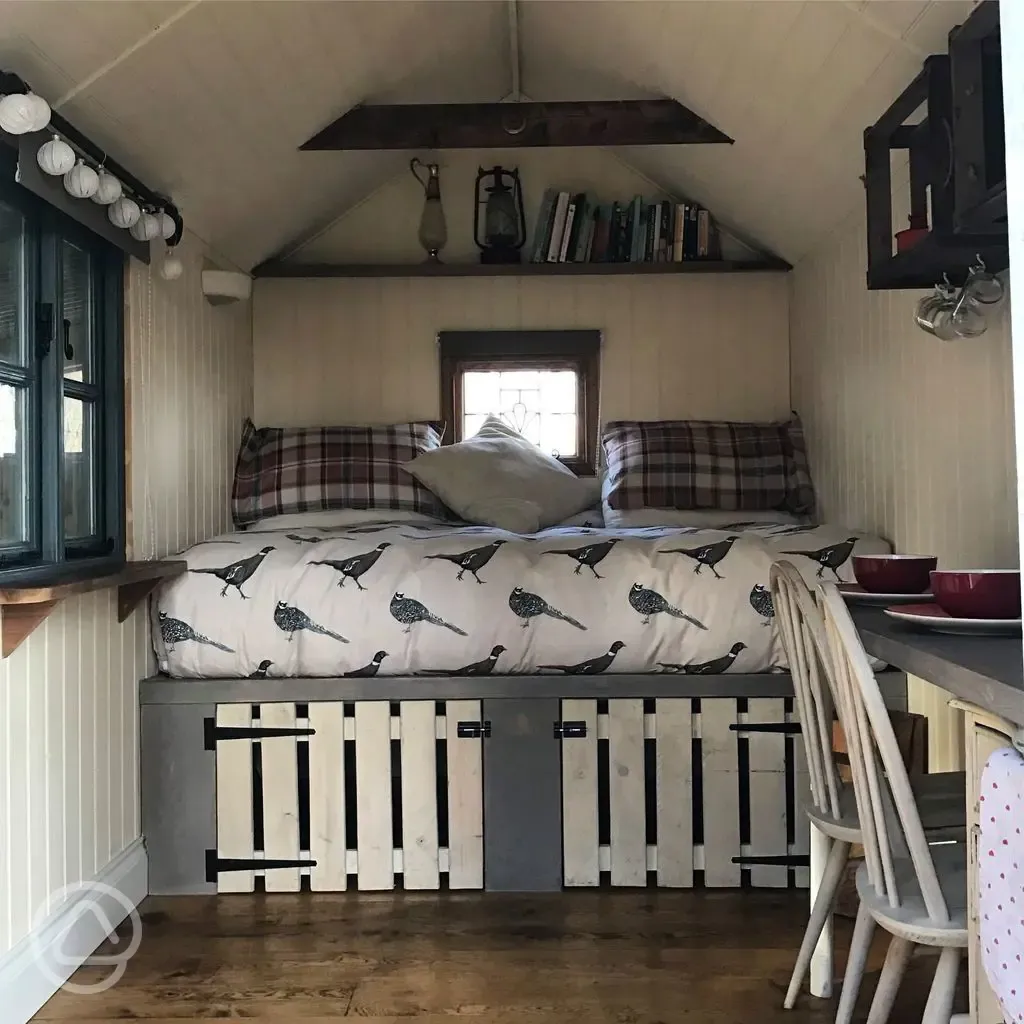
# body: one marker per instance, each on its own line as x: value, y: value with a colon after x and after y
x: 987, y: 671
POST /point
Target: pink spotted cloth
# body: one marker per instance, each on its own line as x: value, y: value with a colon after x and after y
x: 1001, y: 878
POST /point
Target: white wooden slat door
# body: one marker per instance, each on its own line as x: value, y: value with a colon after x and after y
x: 374, y: 842
x: 419, y: 795
x: 626, y: 797
x: 280, y: 797
x: 721, y: 798
x: 234, y: 798
x: 327, y: 796
x: 465, y: 798
x: 673, y: 723
x: 579, y: 796
x: 801, y: 800
x: 767, y: 770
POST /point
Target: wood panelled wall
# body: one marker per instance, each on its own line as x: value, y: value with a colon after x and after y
x: 351, y: 351
x: 909, y: 436
x: 68, y: 696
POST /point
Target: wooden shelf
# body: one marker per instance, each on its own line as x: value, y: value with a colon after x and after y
x: 275, y: 268
x: 23, y: 608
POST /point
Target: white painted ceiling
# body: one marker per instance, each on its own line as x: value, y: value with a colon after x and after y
x: 210, y: 99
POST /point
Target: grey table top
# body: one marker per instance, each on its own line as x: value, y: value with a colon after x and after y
x: 987, y: 671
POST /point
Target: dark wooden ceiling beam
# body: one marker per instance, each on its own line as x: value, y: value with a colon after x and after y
x: 508, y: 125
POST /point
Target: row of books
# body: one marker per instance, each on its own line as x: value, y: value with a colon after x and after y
x: 573, y: 228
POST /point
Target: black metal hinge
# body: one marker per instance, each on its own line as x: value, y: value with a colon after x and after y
x: 792, y: 860
x: 473, y: 730
x: 570, y: 730
x: 216, y: 865
x: 212, y: 734
x: 787, y: 728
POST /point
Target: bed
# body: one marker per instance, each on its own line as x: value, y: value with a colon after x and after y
x: 424, y: 667
x: 421, y: 597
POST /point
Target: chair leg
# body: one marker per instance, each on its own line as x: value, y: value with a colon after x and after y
x: 940, y: 996
x: 860, y: 944
x: 822, y: 966
x: 820, y: 913
x: 896, y: 959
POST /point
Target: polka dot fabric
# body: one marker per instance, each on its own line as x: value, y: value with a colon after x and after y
x: 1001, y: 878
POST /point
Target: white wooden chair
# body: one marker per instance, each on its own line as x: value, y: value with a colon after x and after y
x: 835, y: 826
x: 916, y: 892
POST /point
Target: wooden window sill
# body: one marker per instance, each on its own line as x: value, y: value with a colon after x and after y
x: 23, y: 608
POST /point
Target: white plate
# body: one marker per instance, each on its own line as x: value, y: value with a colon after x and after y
x: 934, y: 618
x: 856, y: 594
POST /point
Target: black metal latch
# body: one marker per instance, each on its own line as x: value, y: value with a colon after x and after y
x: 217, y: 865
x: 570, y: 730
x: 473, y: 730
x: 786, y: 728
x: 44, y: 329
x: 212, y: 734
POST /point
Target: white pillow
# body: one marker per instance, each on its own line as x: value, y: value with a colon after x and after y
x: 498, y: 478
x: 713, y: 519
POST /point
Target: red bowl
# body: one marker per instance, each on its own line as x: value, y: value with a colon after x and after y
x: 978, y: 593
x: 893, y: 574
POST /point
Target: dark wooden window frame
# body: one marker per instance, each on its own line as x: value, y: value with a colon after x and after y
x: 50, y: 557
x: 579, y: 351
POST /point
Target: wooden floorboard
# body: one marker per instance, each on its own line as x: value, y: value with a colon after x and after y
x: 623, y: 958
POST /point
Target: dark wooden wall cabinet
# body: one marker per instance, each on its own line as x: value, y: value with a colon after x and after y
x: 957, y: 166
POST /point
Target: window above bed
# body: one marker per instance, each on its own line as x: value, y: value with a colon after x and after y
x: 544, y: 384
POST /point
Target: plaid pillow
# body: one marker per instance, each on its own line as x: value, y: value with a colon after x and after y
x: 695, y: 464
x: 316, y: 469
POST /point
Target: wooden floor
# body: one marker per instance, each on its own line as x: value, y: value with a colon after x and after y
x: 623, y: 958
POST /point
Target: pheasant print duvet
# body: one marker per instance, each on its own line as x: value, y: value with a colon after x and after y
x: 429, y: 598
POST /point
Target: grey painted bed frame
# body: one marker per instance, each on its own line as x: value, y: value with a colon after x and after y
x: 179, y: 774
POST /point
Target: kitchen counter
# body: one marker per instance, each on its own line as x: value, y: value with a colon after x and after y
x: 986, y: 671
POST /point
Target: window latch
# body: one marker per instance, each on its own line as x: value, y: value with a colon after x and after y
x: 69, y: 349
x: 44, y: 329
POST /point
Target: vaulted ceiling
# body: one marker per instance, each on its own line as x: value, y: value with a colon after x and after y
x: 209, y: 100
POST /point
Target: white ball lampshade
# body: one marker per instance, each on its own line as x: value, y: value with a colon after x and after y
x: 21, y: 113
x: 55, y: 157
x: 172, y: 268
x: 81, y: 181
x: 108, y: 190
x: 167, y: 226
x: 40, y: 111
x: 146, y: 228
x: 124, y: 212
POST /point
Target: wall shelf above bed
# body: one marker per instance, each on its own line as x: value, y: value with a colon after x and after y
x: 23, y: 608
x: 280, y: 268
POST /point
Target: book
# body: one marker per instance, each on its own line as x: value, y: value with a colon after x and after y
x: 586, y: 236
x: 703, y: 234
x: 542, y: 229
x: 665, y: 254
x: 690, y: 233
x: 678, y: 220
x: 557, y: 227
x: 633, y: 231
x: 578, y: 239
x: 567, y: 231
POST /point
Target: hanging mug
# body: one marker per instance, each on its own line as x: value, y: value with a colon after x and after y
x: 934, y: 312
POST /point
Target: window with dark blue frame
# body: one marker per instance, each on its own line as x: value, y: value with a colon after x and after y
x: 61, y: 393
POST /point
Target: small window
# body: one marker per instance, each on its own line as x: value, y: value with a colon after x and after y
x: 544, y: 384
x: 61, y: 393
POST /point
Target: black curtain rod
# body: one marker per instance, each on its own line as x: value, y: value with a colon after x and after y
x: 12, y: 83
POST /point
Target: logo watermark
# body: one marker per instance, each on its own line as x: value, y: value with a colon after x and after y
x: 59, y: 955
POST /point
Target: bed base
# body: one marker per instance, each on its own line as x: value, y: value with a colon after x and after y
x: 503, y: 783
